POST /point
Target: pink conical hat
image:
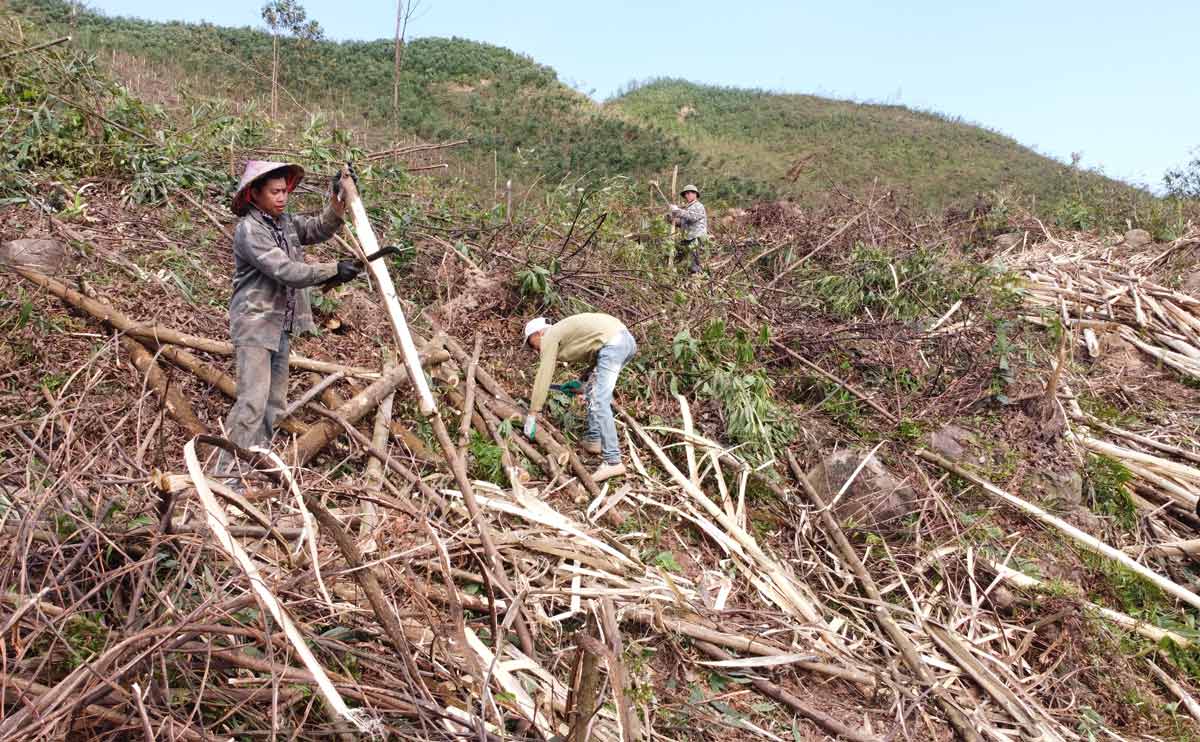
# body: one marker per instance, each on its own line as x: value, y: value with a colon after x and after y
x: 256, y: 169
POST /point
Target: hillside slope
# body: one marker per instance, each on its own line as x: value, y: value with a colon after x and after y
x: 521, y: 119
x: 852, y: 375
x: 800, y: 144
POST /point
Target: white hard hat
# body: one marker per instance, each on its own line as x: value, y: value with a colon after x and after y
x: 537, y: 324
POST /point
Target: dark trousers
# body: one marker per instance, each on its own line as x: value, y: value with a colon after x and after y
x: 692, y: 250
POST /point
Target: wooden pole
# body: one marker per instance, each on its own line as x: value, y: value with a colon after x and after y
x: 457, y: 463
x: 674, y: 185
x: 383, y: 279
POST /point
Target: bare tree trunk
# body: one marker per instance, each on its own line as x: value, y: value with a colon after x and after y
x: 401, y: 21
x: 274, y: 75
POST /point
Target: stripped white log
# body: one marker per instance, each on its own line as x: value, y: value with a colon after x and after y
x: 391, y: 302
x: 1182, y: 496
x: 689, y: 450
x: 1189, y: 547
x: 1173, y: 468
x: 509, y: 684
x: 309, y: 533
x: 1180, y: 692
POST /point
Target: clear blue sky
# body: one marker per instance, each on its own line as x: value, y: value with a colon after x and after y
x: 1113, y: 80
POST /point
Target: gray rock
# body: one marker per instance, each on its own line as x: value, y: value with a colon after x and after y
x: 1061, y: 487
x: 1191, y: 284
x: 1002, y: 598
x: 44, y: 256
x: 952, y: 442
x: 1138, y: 238
x: 1087, y: 521
x: 876, y: 500
x: 1009, y: 240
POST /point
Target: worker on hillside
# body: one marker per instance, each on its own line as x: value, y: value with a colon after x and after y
x: 693, y: 220
x: 270, y: 292
x: 605, y: 342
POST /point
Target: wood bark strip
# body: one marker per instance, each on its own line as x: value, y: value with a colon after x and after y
x: 618, y: 678
x: 739, y: 643
x: 584, y: 698
x: 774, y: 692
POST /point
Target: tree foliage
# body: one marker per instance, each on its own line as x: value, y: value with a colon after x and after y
x: 1184, y: 181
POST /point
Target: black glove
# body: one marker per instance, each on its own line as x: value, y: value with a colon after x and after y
x: 347, y: 270
x: 337, y: 179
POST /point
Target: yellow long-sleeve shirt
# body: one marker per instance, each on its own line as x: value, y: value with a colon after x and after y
x: 572, y: 339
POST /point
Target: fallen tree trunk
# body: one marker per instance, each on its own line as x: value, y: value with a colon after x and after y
x: 323, y: 433
x: 158, y: 334
x: 174, y: 402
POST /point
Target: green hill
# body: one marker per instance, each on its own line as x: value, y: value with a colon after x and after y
x: 801, y: 144
x: 450, y: 88
x: 740, y: 145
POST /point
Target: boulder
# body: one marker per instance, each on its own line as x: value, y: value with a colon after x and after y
x: 1138, y: 238
x: 876, y: 500
x: 44, y: 256
x: 1062, y: 488
x: 1009, y: 240
x: 1191, y: 284
x: 1002, y: 598
x: 951, y: 442
x: 1087, y: 521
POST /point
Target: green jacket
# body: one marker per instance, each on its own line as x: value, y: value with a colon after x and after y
x: 572, y: 339
x: 270, y: 277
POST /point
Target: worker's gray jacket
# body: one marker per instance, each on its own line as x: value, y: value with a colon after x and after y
x: 270, y: 276
x: 694, y: 220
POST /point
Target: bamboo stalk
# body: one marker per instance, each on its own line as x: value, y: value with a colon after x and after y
x: 1151, y: 632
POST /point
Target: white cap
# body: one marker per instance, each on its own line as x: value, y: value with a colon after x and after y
x: 537, y: 324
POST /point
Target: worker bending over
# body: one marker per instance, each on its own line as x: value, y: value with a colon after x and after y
x: 270, y: 292
x: 601, y: 340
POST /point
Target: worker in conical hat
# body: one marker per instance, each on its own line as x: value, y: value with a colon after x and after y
x: 270, y: 301
x: 692, y: 218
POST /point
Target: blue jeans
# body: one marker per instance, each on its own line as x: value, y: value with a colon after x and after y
x: 600, y: 424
